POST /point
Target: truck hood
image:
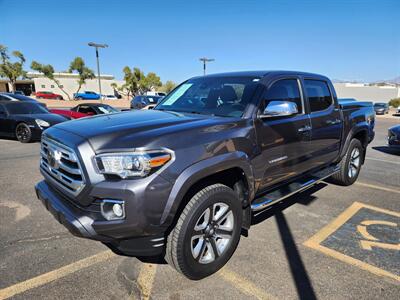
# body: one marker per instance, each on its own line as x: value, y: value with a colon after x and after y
x: 129, y: 130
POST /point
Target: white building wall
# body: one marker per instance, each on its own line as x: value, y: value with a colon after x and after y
x: 69, y: 82
x: 368, y: 93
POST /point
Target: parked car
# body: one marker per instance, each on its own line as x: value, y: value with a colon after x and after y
x: 85, y: 110
x: 381, y: 108
x: 25, y: 120
x: 183, y: 180
x: 110, y: 97
x: 145, y: 102
x: 87, y: 95
x: 48, y: 95
x: 18, y: 97
x: 394, y: 137
x: 161, y: 94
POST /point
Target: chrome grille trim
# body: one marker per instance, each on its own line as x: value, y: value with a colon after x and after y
x: 65, y: 171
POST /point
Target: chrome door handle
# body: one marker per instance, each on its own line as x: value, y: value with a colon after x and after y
x: 304, y: 129
x: 333, y: 122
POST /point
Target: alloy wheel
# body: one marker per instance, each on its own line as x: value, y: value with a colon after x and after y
x: 212, y: 233
x: 354, y: 162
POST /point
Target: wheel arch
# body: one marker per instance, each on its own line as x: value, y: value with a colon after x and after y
x: 232, y: 169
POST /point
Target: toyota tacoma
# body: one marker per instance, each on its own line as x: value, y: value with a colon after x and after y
x: 183, y: 181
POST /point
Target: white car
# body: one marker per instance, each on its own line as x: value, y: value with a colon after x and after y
x: 110, y: 97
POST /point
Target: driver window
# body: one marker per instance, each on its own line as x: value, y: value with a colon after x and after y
x: 284, y: 90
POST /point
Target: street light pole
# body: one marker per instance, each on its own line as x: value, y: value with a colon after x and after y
x: 97, y: 46
x: 205, y: 60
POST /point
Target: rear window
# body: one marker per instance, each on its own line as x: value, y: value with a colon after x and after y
x: 319, y: 96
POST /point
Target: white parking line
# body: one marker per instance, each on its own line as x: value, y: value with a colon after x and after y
x: 377, y: 187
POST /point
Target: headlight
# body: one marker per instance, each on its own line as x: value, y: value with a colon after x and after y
x: 136, y: 164
x: 42, y: 123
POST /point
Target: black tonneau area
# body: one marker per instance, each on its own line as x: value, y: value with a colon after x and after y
x: 348, y: 104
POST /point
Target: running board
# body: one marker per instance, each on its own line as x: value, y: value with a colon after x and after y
x: 297, y: 186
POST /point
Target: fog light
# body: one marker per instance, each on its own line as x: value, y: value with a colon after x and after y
x: 113, y: 209
x: 117, y: 209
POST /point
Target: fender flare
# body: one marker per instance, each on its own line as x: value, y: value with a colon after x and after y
x: 353, y: 132
x: 200, y: 170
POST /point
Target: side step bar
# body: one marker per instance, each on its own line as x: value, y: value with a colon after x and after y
x: 292, y: 188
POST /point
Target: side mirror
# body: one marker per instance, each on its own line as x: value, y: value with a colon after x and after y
x: 279, y: 109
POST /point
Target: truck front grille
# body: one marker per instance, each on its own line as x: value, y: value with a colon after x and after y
x: 62, y: 166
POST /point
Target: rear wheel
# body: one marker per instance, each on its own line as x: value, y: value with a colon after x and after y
x: 59, y: 98
x: 350, y: 164
x: 23, y: 133
x: 207, y: 232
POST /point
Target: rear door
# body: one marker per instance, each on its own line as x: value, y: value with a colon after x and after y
x: 326, y: 121
x: 283, y: 141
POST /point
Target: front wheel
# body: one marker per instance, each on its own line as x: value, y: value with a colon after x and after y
x: 350, y: 164
x: 23, y: 133
x: 207, y: 232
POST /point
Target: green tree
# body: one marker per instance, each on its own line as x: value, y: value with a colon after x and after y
x: 48, y: 72
x: 11, y: 70
x: 151, y: 82
x: 133, y: 81
x: 78, y: 65
x: 168, y: 86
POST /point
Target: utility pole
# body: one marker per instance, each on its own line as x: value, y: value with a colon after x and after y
x: 205, y: 60
x: 97, y: 46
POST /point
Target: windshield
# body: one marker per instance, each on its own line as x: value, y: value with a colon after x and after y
x: 217, y: 96
x: 106, y: 109
x: 25, y: 108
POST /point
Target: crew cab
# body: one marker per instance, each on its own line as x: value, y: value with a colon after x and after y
x: 87, y: 95
x: 184, y: 180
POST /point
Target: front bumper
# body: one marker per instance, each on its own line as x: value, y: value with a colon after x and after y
x: 88, y: 223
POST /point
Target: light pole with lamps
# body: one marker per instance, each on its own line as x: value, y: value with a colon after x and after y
x: 97, y: 46
x: 205, y: 60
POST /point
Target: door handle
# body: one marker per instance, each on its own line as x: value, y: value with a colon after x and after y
x: 304, y: 129
x: 333, y: 122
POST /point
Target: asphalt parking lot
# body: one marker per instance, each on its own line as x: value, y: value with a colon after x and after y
x: 329, y: 242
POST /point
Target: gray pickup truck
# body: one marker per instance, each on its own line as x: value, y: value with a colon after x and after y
x: 183, y: 181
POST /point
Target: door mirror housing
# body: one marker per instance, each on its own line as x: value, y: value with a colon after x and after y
x: 279, y: 109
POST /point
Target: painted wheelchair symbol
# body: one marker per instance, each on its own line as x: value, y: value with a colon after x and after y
x: 372, y: 241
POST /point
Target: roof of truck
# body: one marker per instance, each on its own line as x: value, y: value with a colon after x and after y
x: 263, y: 73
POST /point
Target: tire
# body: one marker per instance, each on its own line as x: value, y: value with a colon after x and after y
x: 350, y: 165
x: 23, y: 133
x: 79, y: 98
x: 196, y: 255
x: 59, y: 98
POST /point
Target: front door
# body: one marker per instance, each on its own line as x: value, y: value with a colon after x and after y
x: 326, y: 122
x: 283, y: 141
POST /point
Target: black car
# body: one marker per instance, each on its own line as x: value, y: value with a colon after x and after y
x: 394, y: 137
x: 381, y: 108
x: 145, y: 102
x: 18, y: 97
x: 25, y: 120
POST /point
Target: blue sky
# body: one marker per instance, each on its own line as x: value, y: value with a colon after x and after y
x: 343, y: 39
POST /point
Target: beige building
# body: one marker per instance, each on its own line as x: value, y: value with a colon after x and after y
x: 361, y: 91
x: 36, y: 82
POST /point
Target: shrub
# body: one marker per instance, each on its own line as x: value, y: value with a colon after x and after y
x: 395, y: 102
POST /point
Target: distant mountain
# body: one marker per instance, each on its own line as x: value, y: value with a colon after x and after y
x: 394, y: 80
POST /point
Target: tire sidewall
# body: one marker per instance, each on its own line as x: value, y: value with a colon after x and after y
x: 354, y: 144
x: 30, y: 133
x: 194, y: 269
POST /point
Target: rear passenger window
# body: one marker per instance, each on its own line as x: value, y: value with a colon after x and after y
x: 318, y: 94
x: 284, y: 90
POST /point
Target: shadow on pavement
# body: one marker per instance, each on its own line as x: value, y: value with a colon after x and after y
x: 387, y: 150
x: 299, y: 273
